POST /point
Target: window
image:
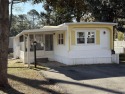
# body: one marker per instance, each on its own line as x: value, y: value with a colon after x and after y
x: 39, y: 40
x: 60, y: 39
x: 48, y: 42
x: 21, y: 38
x: 85, y: 37
x: 80, y: 37
x: 90, y: 37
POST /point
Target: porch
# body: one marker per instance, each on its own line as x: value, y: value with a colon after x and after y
x: 46, y: 43
x: 44, y: 46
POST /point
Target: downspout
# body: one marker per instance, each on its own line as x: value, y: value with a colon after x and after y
x: 69, y: 37
x: 113, y: 51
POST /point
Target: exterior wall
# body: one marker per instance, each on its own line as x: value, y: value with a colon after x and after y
x: 22, y: 51
x: 115, y: 58
x: 97, y: 53
x: 70, y: 53
x: 40, y: 54
x: 11, y: 42
x: 21, y: 56
x: 10, y: 50
x: 71, y: 28
x: 61, y: 51
x: 16, y: 47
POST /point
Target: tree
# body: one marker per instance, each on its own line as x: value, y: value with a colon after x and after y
x: 19, y: 23
x: 14, y: 27
x: 4, y: 33
x: 34, y: 16
x: 120, y: 36
x: 87, y: 18
x: 12, y: 2
x: 108, y: 11
x: 74, y: 9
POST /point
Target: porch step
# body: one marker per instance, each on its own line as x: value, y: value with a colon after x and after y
x: 42, y: 60
x: 122, y: 58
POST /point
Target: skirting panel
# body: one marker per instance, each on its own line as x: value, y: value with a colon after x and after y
x: 75, y: 61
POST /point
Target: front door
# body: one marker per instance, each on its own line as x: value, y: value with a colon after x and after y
x: 48, y: 42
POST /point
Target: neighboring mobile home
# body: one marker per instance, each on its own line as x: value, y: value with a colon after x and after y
x: 69, y: 43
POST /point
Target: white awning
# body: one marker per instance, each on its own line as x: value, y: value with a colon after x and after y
x: 44, y: 29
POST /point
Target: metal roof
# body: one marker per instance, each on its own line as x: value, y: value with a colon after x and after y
x: 62, y: 27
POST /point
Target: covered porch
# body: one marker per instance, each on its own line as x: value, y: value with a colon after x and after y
x: 44, y: 46
x: 24, y: 48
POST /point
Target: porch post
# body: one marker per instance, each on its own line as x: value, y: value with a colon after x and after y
x: 28, y: 50
x: 24, y: 48
x: 14, y: 47
x: 34, y: 39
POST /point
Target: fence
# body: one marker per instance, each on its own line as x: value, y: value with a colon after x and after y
x: 119, y: 46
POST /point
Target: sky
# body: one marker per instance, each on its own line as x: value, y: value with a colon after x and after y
x: 23, y: 8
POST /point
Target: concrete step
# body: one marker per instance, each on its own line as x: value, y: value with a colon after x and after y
x: 122, y: 62
x: 42, y: 60
x: 122, y: 58
x: 121, y: 55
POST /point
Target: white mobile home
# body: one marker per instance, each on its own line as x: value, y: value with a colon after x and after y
x: 69, y: 43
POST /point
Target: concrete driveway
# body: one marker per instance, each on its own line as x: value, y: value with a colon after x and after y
x: 89, y: 79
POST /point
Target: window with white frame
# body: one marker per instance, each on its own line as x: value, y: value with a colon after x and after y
x: 60, y: 38
x: 90, y: 37
x: 85, y: 37
x: 80, y: 37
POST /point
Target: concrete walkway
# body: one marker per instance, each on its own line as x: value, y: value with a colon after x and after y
x: 91, y: 79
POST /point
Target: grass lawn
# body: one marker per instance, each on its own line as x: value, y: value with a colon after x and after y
x: 23, y: 80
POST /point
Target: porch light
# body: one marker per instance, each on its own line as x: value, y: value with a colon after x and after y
x: 34, y: 43
x: 104, y: 32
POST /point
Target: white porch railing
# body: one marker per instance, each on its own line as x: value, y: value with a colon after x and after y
x: 119, y: 43
x: 119, y: 46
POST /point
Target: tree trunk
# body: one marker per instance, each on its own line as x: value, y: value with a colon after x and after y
x: 78, y: 18
x: 4, y: 32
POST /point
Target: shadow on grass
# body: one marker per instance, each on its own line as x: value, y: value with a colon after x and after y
x: 33, y: 83
x: 9, y: 90
x: 17, y: 67
x: 38, y: 83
